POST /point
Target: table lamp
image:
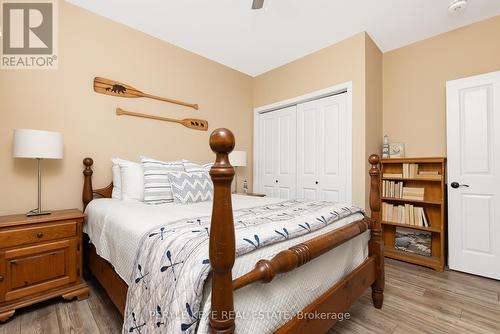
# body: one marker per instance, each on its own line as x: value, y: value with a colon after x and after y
x: 37, y: 144
x: 237, y: 159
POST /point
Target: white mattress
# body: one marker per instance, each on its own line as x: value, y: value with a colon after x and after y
x: 115, y: 228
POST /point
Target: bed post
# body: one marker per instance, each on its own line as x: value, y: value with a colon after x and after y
x: 222, y: 239
x: 87, y: 193
x: 376, y: 245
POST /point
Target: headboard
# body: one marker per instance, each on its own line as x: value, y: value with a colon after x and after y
x: 89, y: 193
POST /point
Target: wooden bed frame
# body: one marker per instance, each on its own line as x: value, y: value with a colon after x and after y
x: 222, y: 253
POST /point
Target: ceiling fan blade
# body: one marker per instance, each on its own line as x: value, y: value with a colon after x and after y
x: 257, y: 4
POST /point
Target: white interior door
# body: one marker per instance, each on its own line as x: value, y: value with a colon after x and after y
x: 322, y: 149
x: 473, y: 131
x: 278, y: 152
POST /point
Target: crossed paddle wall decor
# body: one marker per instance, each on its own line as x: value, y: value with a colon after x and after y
x: 115, y: 88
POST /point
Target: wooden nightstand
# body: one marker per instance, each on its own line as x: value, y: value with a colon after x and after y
x: 40, y: 258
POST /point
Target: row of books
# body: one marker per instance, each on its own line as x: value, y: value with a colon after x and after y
x: 404, y: 214
x: 410, y: 171
x: 396, y: 190
x: 392, y: 189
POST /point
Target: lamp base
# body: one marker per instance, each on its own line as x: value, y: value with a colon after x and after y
x: 38, y: 213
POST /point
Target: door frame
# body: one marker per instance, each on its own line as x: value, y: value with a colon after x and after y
x: 345, y: 88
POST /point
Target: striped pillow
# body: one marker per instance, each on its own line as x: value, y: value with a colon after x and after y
x: 191, y: 187
x: 157, y: 186
x: 190, y: 166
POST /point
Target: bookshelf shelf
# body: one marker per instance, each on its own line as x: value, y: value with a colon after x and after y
x: 421, y: 228
x: 403, y: 200
x: 433, y: 262
x: 433, y: 205
x: 411, y: 179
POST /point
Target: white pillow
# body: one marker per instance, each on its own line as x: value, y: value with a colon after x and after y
x: 117, y: 179
x: 132, y: 180
x: 191, y: 167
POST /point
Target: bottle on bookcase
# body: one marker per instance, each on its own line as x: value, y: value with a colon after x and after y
x: 245, y: 186
x: 385, y: 147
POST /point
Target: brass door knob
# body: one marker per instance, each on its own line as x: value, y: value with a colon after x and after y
x: 39, y: 235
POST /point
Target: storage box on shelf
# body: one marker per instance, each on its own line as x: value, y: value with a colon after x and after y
x: 414, y: 197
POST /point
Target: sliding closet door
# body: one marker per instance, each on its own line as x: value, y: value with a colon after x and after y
x: 278, y: 152
x: 322, y: 134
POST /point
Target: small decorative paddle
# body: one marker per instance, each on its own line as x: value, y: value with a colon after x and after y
x: 115, y: 88
x: 192, y: 123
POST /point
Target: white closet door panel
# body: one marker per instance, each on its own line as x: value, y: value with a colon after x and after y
x: 321, y: 149
x: 285, y: 155
x: 267, y: 149
x: 307, y: 150
x: 278, y: 152
x: 333, y: 158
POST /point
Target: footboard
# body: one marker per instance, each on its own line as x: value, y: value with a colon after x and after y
x: 222, y: 253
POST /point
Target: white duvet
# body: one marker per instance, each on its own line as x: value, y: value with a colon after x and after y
x: 115, y: 228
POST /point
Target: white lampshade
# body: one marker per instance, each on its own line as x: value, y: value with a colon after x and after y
x: 238, y: 158
x: 37, y: 144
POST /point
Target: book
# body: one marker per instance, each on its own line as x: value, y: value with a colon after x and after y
x: 392, y: 175
x: 392, y: 189
x: 416, y: 217
x: 410, y: 170
x: 428, y: 177
x: 413, y: 241
x: 424, y: 218
x: 428, y: 172
x: 413, y: 193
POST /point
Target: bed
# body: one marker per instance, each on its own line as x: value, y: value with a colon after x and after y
x: 321, y: 272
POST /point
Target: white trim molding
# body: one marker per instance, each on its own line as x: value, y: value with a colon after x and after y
x: 345, y: 87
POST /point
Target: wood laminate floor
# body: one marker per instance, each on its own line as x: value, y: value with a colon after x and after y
x: 417, y: 300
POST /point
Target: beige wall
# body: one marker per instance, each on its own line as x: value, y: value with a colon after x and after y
x: 409, y: 83
x: 415, y: 83
x: 63, y: 100
x: 339, y: 63
x: 374, y: 105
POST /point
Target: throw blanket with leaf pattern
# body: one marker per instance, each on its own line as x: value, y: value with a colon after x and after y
x: 172, y: 264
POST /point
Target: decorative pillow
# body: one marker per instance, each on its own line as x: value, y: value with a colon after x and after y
x: 117, y: 179
x: 191, y: 187
x: 190, y: 166
x: 157, y: 187
x: 132, y: 180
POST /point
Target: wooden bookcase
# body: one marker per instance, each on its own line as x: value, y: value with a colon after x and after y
x: 434, y: 205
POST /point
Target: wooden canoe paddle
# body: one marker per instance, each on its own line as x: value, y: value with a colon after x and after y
x: 192, y: 123
x: 115, y: 88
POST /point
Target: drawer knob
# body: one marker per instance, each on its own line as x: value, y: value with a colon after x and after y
x: 39, y: 235
x: 1, y: 278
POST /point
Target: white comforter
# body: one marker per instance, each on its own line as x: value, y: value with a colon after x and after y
x: 116, y: 227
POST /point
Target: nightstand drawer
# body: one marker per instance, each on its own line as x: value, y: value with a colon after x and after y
x: 37, y: 268
x: 39, y: 233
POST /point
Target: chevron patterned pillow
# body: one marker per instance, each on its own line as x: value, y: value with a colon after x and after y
x: 191, y: 187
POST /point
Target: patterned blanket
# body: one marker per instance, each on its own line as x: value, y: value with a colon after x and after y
x: 172, y: 264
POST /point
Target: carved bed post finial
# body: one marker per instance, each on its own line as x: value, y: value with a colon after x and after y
x: 376, y: 245
x: 222, y: 239
x: 87, y: 193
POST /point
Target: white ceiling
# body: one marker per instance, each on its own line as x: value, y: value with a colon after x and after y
x: 256, y: 41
